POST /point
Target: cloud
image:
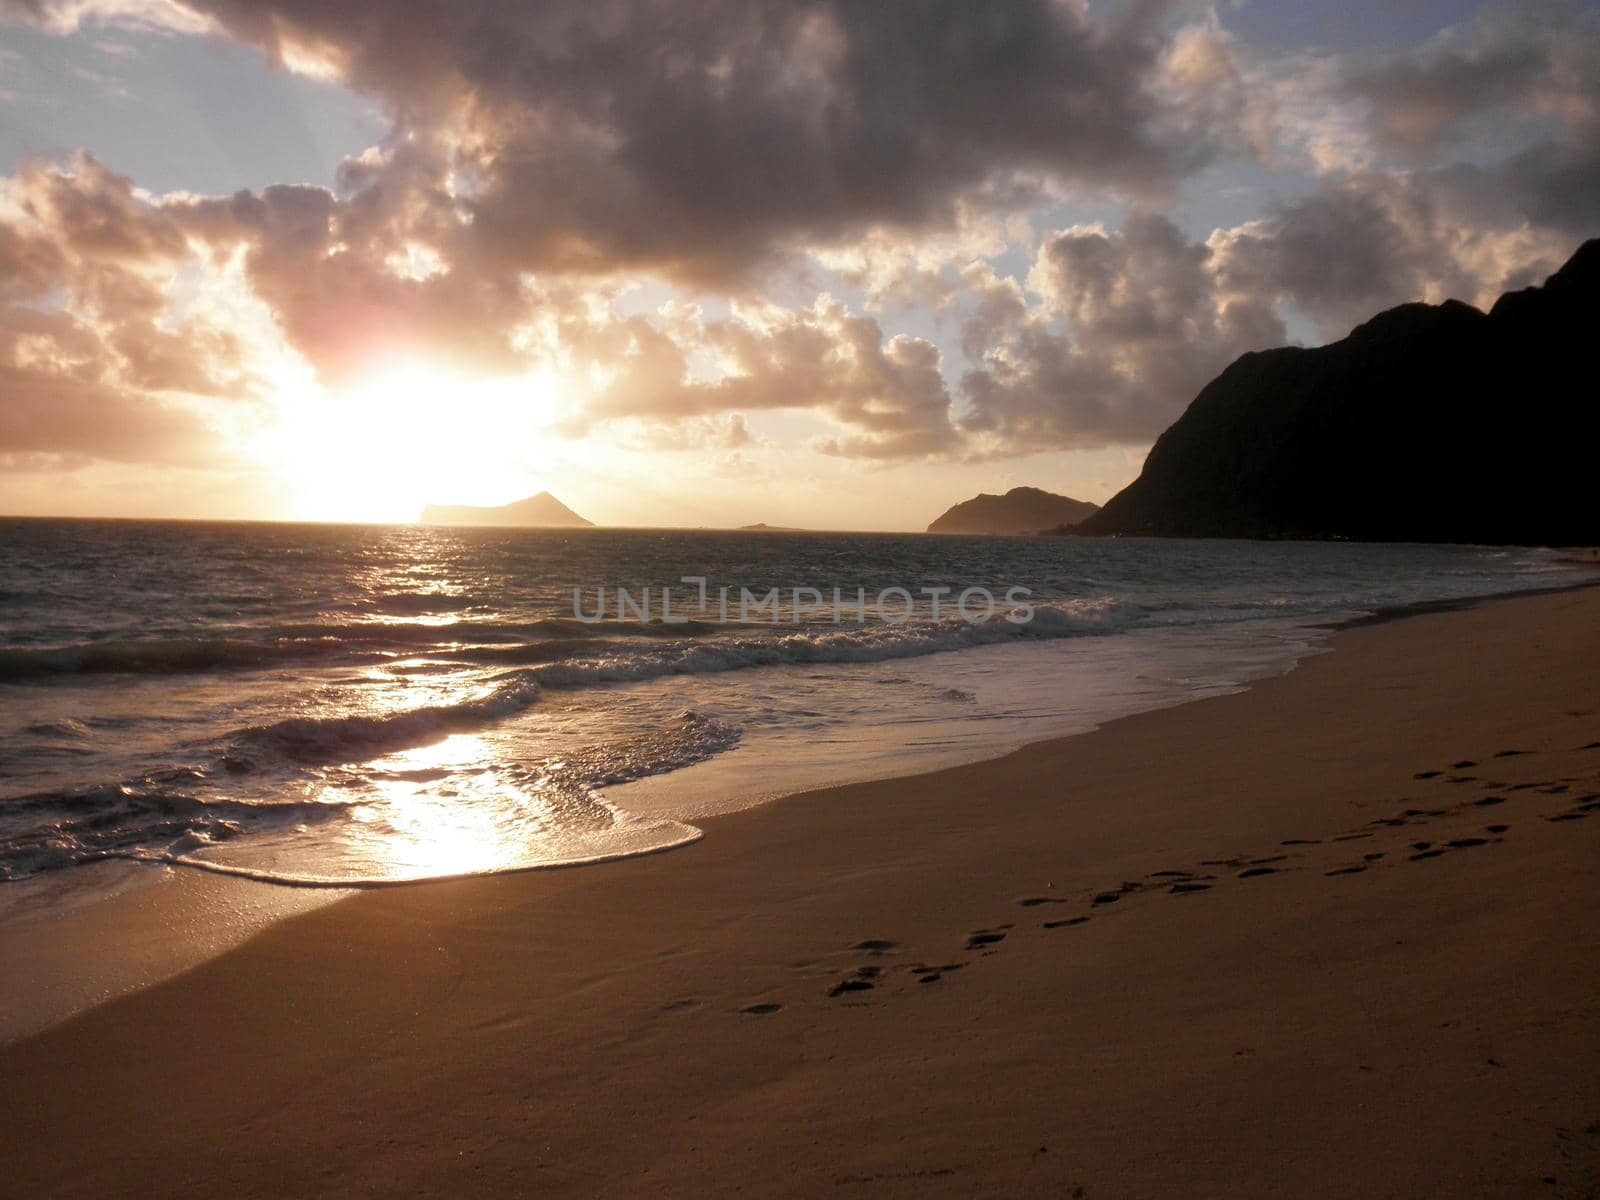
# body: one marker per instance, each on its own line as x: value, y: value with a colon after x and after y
x: 359, y: 283
x: 1131, y: 325
x: 67, y: 16
x: 701, y: 141
x: 50, y: 415
x: 1128, y: 325
x: 1510, y: 64
x: 888, y: 394
x: 93, y: 360
x: 767, y: 156
x: 729, y: 433
x: 1372, y: 240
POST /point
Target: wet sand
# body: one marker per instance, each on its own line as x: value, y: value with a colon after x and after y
x: 1338, y: 934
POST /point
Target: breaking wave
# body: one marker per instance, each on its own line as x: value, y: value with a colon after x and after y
x: 696, y: 645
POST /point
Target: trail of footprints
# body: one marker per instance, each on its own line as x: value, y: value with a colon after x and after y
x: 1295, y: 854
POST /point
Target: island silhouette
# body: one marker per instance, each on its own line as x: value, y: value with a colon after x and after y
x: 543, y: 511
x: 1021, y: 510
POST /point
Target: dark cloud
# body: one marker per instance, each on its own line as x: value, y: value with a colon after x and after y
x: 1511, y: 64
x: 1522, y: 81
x: 697, y: 140
x: 1553, y: 185
x: 1134, y: 323
x: 1372, y: 240
x: 1339, y: 254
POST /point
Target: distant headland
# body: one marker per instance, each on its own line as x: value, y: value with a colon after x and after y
x: 1429, y: 423
x: 1021, y: 510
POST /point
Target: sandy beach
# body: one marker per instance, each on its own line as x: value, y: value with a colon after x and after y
x: 1335, y: 935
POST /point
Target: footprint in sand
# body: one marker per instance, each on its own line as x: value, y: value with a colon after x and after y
x: 1065, y: 922
x: 1497, y: 828
x: 1467, y: 842
x: 761, y: 1010
x: 850, y: 985
x: 1035, y: 901
x: 1300, y: 842
x: 1511, y: 753
x: 1346, y: 871
x: 1463, y: 764
x: 1488, y: 801
x: 1427, y: 774
x: 1426, y: 854
x: 1256, y: 872
x: 876, y: 945
x: 984, y: 937
x: 1184, y: 889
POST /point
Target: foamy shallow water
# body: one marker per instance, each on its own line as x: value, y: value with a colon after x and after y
x: 340, y: 706
x: 813, y: 733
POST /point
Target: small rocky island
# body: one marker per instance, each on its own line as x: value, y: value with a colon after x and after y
x: 543, y: 511
x: 1021, y: 510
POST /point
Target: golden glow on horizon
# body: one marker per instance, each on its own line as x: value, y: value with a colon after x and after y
x: 407, y: 436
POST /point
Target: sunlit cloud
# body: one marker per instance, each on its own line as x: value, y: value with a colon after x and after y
x: 842, y: 233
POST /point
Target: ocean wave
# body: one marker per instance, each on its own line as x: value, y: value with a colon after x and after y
x: 863, y: 644
x: 599, y: 662
x: 142, y: 819
x: 159, y: 656
x: 354, y: 737
x: 321, y: 641
x: 546, y: 811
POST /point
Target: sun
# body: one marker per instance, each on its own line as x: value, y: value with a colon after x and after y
x: 408, y: 435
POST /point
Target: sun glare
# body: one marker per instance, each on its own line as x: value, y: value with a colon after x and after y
x: 411, y: 435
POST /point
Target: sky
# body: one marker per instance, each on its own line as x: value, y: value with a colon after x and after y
x: 821, y: 264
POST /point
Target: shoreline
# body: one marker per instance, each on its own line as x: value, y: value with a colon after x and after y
x: 199, y: 912
x: 1422, y: 608
x: 542, y: 1008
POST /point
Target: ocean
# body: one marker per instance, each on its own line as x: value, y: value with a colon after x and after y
x: 336, y: 706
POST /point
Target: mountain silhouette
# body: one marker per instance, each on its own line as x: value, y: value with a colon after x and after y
x: 1429, y: 423
x: 1021, y: 510
x: 543, y: 511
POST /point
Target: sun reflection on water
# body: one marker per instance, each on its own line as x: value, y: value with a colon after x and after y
x: 448, y: 810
